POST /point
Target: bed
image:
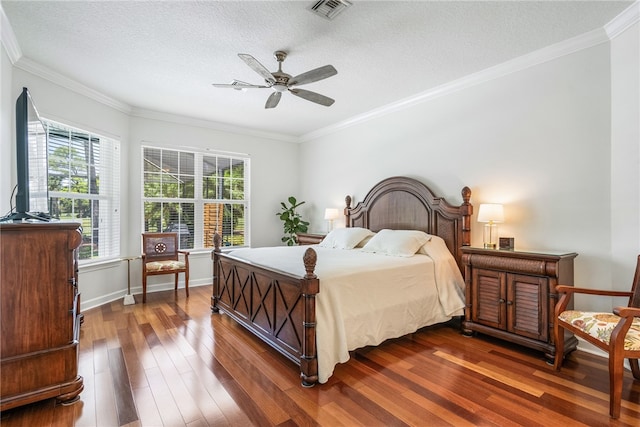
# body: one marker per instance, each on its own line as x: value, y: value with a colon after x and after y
x: 277, y: 293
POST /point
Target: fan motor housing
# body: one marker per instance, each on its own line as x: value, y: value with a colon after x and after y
x: 282, y: 79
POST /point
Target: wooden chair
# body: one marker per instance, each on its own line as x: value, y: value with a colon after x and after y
x: 617, y: 333
x: 160, y: 255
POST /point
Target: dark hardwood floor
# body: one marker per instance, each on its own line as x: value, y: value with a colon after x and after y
x: 171, y: 362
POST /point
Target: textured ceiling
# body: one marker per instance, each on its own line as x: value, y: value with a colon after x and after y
x: 163, y: 56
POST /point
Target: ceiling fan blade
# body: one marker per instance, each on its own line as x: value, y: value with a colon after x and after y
x: 313, y: 75
x: 238, y: 86
x: 313, y: 97
x: 273, y: 100
x: 257, y: 67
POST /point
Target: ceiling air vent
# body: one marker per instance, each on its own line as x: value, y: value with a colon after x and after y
x: 329, y: 9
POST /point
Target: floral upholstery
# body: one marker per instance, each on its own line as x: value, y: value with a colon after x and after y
x: 164, y: 265
x: 601, y: 325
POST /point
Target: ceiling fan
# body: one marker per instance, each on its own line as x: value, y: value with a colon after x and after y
x: 280, y: 81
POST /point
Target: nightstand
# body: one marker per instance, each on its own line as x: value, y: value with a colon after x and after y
x: 511, y: 295
x: 309, y: 238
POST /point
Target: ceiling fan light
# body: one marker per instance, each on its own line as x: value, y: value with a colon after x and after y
x: 279, y: 87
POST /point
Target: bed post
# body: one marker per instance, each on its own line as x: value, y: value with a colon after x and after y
x: 310, y: 287
x: 466, y: 209
x: 347, y: 211
x: 216, y: 278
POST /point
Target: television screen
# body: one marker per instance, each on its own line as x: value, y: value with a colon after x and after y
x: 38, y: 163
x: 32, y: 168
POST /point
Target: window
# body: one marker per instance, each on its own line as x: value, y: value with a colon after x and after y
x: 196, y: 195
x: 84, y: 183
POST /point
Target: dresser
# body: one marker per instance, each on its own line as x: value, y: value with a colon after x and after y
x: 512, y: 294
x: 40, y: 313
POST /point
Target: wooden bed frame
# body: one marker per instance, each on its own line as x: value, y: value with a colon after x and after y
x: 279, y: 307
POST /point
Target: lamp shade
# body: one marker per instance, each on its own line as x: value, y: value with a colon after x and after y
x: 331, y: 213
x: 491, y: 212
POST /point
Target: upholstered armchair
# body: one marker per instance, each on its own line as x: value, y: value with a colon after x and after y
x: 160, y: 255
x: 617, y: 333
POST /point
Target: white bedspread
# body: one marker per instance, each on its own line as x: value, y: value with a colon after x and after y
x: 367, y: 298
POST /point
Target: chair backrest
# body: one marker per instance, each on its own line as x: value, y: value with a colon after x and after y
x: 160, y: 246
x: 634, y: 300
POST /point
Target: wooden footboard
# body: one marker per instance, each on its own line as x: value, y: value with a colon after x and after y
x: 278, y: 307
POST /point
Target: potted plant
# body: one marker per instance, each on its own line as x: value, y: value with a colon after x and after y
x: 292, y: 221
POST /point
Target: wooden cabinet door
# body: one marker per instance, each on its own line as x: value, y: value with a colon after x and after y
x: 525, y: 302
x: 488, y: 294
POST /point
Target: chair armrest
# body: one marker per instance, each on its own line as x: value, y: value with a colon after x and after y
x: 567, y: 292
x: 627, y: 311
x: 186, y: 257
x: 573, y: 290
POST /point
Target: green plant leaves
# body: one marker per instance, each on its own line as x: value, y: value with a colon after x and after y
x: 292, y: 221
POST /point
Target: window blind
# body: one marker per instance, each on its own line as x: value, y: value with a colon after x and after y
x: 196, y: 194
x: 84, y: 183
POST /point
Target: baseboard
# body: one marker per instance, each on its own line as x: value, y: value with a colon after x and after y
x: 105, y: 299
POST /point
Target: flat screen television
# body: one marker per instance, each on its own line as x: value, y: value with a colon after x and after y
x: 32, y: 193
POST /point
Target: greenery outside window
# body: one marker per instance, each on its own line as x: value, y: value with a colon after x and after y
x: 196, y: 195
x: 84, y: 183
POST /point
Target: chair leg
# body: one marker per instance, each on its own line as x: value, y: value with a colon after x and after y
x: 616, y: 379
x: 635, y: 369
x: 175, y: 287
x: 558, y: 332
x: 186, y: 282
x: 144, y: 288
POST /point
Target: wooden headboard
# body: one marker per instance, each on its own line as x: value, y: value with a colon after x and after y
x: 402, y: 203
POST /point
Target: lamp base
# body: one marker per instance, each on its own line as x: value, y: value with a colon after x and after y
x: 490, y: 236
x: 129, y: 299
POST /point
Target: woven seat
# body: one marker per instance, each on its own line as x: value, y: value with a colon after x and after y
x: 160, y: 255
x: 616, y: 332
x: 601, y: 325
x: 165, y: 265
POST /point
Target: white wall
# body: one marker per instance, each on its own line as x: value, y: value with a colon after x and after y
x: 537, y: 140
x: 625, y: 155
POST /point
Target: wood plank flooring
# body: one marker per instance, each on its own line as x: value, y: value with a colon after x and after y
x: 171, y: 362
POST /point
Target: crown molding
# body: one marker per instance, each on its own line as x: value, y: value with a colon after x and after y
x: 208, y: 124
x: 9, y: 40
x: 567, y: 47
x: 624, y: 20
x: 39, y: 70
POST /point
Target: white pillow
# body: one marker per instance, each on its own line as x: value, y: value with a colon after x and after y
x: 345, y: 238
x: 403, y: 243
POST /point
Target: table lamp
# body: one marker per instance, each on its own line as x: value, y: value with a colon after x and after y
x: 490, y: 214
x: 330, y: 214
